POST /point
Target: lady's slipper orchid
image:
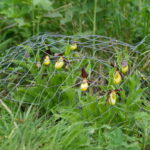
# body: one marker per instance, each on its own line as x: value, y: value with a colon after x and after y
x: 60, y: 63
x: 47, y: 60
x: 112, y: 98
x: 73, y: 46
x: 117, y: 77
x: 84, y: 85
x: 125, y: 67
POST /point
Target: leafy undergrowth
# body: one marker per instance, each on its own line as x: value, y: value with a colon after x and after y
x: 74, y: 99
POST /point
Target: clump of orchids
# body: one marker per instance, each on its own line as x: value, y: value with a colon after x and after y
x: 118, y: 76
x: 61, y: 61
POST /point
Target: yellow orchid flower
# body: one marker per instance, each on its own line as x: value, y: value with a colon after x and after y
x: 112, y: 98
x: 125, y: 67
x: 117, y: 78
x: 47, y: 60
x: 73, y: 46
x: 84, y: 85
x: 60, y: 63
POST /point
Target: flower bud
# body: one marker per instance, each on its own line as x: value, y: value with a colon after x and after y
x: 38, y: 65
x: 67, y: 67
x: 143, y: 76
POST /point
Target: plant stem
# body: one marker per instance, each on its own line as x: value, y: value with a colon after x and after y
x: 94, y: 19
x: 94, y: 24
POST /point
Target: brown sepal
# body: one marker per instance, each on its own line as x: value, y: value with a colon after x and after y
x: 49, y: 52
x: 84, y: 73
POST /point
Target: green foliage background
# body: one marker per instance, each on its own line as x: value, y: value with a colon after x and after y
x: 127, y: 20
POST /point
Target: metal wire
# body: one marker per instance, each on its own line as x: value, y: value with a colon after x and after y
x: 19, y: 83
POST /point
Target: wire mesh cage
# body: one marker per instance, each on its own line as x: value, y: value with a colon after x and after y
x: 76, y: 72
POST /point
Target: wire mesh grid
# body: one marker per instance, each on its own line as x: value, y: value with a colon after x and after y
x: 26, y: 80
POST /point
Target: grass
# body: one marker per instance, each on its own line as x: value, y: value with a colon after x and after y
x: 48, y: 110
